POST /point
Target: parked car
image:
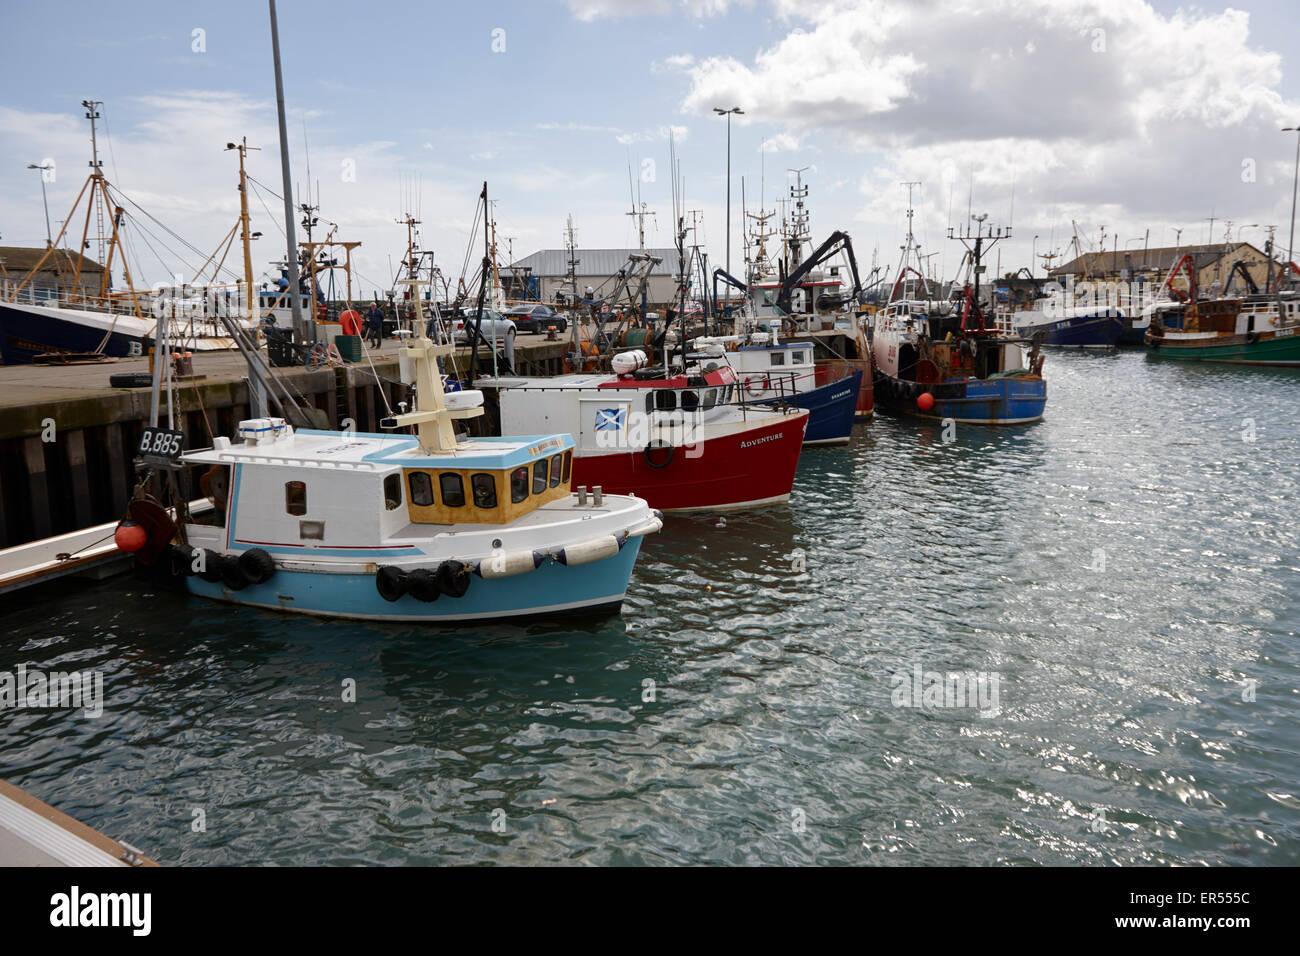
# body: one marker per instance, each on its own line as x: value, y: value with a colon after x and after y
x: 536, y: 318
x: 495, y: 327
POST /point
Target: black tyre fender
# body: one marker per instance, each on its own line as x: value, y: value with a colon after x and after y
x: 257, y: 565
x: 211, y: 566
x: 231, y: 575
x: 1252, y: 337
x: 656, y: 444
x: 181, y: 560
x: 422, y: 584
x: 453, y: 578
x: 131, y: 380
x: 391, y: 582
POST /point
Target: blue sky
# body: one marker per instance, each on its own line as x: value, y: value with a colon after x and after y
x: 413, y: 94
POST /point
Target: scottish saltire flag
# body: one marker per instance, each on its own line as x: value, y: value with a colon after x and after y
x: 611, y: 419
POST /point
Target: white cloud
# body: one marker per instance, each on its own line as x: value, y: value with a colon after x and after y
x: 588, y: 10
x: 673, y: 64
x: 1102, y: 110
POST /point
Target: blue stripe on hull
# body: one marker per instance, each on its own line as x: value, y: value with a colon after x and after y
x: 24, y: 335
x: 831, y: 409
x: 552, y: 588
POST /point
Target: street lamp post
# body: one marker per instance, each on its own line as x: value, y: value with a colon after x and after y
x: 727, y: 113
x: 1290, y: 245
x: 49, y: 241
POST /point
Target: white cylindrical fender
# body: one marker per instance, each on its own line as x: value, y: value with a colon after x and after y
x: 597, y: 549
x: 507, y: 565
x: 651, y: 525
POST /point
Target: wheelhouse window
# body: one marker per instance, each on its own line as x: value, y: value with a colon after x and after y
x: 710, y: 397
x: 421, y: 486
x: 568, y: 464
x: 295, y: 497
x: 452, y: 488
x: 557, y: 462
x: 665, y: 399
x: 519, y: 484
x: 778, y: 358
x: 393, y: 492
x: 484, y: 487
x: 796, y: 358
x: 539, y: 476
x: 690, y: 401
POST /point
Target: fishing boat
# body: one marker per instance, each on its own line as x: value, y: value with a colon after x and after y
x: 800, y: 299
x: 772, y: 372
x: 429, y: 527
x: 1084, y: 327
x: 1258, y: 328
x: 687, y: 439
x: 941, y: 360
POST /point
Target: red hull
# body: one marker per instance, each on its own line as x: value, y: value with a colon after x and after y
x: 735, y: 470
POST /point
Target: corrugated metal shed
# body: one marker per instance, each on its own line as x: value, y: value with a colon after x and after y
x: 1160, y: 259
x: 554, y: 263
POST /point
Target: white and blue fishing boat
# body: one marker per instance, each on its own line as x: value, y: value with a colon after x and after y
x: 424, y: 527
x: 771, y: 372
x: 428, y: 527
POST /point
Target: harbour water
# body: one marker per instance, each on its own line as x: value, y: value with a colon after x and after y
x: 1123, y: 574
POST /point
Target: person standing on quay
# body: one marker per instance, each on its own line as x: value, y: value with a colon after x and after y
x: 375, y: 326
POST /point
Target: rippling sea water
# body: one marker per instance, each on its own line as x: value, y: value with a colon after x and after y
x: 1126, y: 569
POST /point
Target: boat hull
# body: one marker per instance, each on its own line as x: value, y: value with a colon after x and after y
x: 1009, y: 400
x: 739, y: 469
x: 549, y: 590
x: 28, y: 331
x: 1279, y: 347
x: 1084, y: 331
x: 832, y: 409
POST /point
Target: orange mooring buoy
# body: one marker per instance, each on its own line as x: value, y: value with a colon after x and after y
x: 129, y: 536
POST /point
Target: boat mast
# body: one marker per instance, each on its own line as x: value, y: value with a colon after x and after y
x: 96, y: 165
x: 291, y: 260
x: 246, y: 233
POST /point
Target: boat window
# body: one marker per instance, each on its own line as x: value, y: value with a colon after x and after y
x: 295, y: 497
x: 568, y: 463
x: 690, y: 401
x: 796, y: 358
x: 393, y: 492
x: 557, y: 462
x: 485, y: 490
x: 650, y: 402
x: 710, y: 397
x: 452, y: 488
x: 519, y: 484
x: 665, y: 399
x: 421, y: 486
x: 539, y: 476
x: 778, y: 358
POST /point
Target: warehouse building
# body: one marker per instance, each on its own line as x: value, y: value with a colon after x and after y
x: 544, y: 276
